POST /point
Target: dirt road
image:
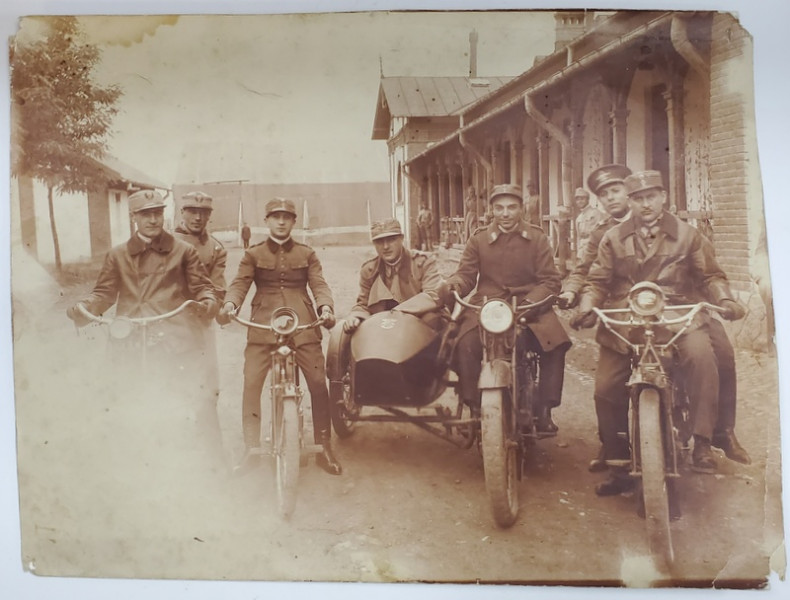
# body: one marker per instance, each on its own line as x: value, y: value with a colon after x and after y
x: 109, y: 487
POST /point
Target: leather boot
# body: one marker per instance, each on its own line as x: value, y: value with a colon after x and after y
x: 598, y: 464
x: 544, y: 423
x: 326, y: 459
x: 727, y: 441
x: 702, y: 460
x: 618, y: 482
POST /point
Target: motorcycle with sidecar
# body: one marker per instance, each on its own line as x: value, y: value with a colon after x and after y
x: 396, y: 367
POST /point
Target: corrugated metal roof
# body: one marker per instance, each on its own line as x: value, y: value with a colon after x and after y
x: 435, y: 96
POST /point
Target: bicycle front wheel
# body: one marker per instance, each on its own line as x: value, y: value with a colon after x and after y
x: 287, y: 451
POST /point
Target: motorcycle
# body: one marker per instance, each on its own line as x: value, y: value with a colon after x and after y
x: 399, y: 363
x: 285, y: 443
x: 660, y: 423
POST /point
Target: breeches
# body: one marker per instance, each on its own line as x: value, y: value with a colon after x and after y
x: 257, y: 362
x: 468, y: 364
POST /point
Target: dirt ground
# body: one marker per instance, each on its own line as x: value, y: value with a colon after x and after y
x: 114, y: 482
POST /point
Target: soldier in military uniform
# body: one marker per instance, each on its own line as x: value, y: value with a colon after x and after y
x: 394, y: 275
x: 196, y: 208
x: 654, y: 245
x: 509, y: 258
x: 282, y: 270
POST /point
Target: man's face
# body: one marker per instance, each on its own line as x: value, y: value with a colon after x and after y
x: 647, y: 205
x: 280, y: 224
x: 150, y: 222
x: 507, y: 212
x: 614, y: 199
x: 195, y: 219
x: 581, y: 202
x: 390, y: 247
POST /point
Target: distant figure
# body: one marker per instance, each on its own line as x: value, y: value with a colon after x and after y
x: 470, y: 220
x: 533, y: 205
x: 245, y: 235
x: 424, y: 225
x: 586, y: 221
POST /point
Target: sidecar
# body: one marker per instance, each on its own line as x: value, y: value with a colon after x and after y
x: 394, y: 368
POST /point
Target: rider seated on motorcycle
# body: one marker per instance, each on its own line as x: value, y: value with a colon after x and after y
x: 394, y: 275
x: 654, y: 245
x: 510, y: 258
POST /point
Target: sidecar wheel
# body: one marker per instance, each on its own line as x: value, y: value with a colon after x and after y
x: 654, y: 481
x: 500, y: 459
x: 339, y: 401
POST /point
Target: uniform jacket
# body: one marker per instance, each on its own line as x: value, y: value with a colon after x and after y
x: 586, y: 222
x: 416, y: 272
x: 679, y: 260
x: 576, y: 280
x: 518, y: 263
x: 282, y: 274
x: 152, y: 280
x: 212, y: 254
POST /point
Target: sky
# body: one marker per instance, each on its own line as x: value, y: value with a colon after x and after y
x: 284, y: 98
x: 153, y: 139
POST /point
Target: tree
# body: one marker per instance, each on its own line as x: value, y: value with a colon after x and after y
x: 61, y: 117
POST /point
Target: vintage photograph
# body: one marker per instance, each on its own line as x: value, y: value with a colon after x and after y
x: 458, y: 297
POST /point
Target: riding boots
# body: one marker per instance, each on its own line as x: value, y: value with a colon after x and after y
x: 726, y: 441
x: 702, y: 460
x: 326, y: 458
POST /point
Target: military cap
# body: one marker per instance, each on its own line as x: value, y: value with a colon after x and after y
x: 506, y: 189
x: 605, y: 175
x: 145, y: 200
x: 643, y: 180
x: 581, y: 193
x: 386, y: 228
x: 196, y: 200
x: 280, y: 205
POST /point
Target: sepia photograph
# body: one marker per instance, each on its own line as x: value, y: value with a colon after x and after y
x: 478, y: 297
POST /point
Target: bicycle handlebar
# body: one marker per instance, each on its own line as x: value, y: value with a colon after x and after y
x: 252, y: 325
x: 137, y: 320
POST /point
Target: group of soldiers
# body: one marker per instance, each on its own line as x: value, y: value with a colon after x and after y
x: 639, y: 240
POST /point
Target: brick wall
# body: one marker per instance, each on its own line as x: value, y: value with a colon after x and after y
x: 729, y: 147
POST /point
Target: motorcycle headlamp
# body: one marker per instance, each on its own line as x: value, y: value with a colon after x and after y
x: 121, y: 328
x: 646, y: 299
x: 496, y: 316
x: 284, y: 321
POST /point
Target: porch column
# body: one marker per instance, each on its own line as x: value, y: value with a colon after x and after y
x: 619, y: 119
x: 677, y: 154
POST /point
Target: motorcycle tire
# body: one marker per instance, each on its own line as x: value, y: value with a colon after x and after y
x: 287, y: 452
x: 338, y: 401
x: 654, y: 482
x: 500, y: 457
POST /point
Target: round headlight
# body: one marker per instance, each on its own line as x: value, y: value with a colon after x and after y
x: 284, y: 321
x: 646, y: 299
x: 496, y: 316
x: 121, y: 328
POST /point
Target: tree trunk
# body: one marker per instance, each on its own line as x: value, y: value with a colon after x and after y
x: 55, y: 243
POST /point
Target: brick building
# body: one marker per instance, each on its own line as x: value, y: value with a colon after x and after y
x: 671, y: 91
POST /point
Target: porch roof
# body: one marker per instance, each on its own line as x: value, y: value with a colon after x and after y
x: 123, y: 173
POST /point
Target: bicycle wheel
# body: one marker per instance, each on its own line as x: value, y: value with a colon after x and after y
x: 287, y: 452
x: 500, y: 459
x: 654, y: 482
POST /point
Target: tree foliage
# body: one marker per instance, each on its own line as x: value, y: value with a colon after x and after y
x: 61, y: 117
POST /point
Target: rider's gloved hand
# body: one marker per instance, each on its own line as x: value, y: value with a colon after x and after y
x: 350, y: 325
x: 583, y: 320
x: 223, y: 317
x: 208, y: 307
x: 328, y: 316
x: 73, y: 313
x: 732, y: 310
x: 446, y: 293
x: 567, y: 300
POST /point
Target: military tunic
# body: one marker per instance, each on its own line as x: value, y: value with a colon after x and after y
x: 282, y: 274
